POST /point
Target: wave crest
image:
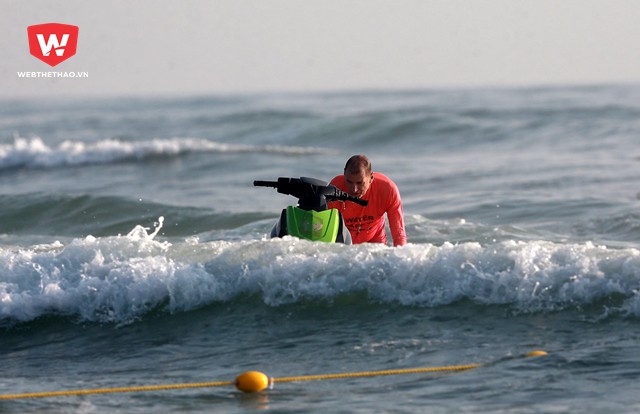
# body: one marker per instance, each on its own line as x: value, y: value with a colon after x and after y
x: 34, y: 153
x: 121, y: 279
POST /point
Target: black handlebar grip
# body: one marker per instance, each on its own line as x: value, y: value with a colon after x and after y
x: 273, y: 184
x: 359, y: 201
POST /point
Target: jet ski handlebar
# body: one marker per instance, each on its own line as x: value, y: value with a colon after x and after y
x: 343, y: 196
x: 273, y: 184
x: 305, y: 188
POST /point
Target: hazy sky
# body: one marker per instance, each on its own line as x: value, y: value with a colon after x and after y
x: 225, y: 46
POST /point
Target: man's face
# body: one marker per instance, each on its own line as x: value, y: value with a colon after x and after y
x: 358, y: 182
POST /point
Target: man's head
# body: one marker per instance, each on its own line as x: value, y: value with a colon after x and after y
x: 358, y: 175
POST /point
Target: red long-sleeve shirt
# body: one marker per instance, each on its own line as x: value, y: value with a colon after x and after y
x: 366, y: 224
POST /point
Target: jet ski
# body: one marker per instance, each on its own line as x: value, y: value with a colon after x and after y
x: 311, y: 219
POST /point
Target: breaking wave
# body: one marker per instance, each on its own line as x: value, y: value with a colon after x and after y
x: 120, y: 279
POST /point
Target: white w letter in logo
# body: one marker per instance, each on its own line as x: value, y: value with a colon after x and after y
x: 52, y: 43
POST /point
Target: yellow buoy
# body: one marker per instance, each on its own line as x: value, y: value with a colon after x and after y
x: 252, y: 381
x: 536, y: 353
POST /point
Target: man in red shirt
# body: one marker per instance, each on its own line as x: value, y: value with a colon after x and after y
x: 366, y: 224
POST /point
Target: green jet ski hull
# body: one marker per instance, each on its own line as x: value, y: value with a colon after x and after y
x: 324, y: 226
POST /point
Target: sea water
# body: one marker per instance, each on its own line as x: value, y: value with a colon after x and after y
x: 134, y: 252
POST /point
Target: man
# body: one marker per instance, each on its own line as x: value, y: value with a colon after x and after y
x: 366, y: 224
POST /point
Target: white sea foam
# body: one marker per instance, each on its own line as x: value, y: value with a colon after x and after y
x: 120, y: 279
x: 34, y: 153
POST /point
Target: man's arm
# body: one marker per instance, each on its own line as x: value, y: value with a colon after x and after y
x: 395, y: 214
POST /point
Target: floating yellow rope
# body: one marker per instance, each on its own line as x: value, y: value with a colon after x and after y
x: 115, y: 390
x: 251, y: 381
x: 378, y: 373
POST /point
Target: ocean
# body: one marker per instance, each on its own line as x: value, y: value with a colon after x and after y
x: 134, y: 252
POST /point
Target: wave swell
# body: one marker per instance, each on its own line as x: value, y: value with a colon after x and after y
x: 34, y: 153
x: 121, y: 279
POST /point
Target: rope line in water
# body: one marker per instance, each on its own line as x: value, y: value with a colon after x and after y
x: 227, y: 383
x: 251, y: 381
x: 115, y: 390
x: 452, y: 368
